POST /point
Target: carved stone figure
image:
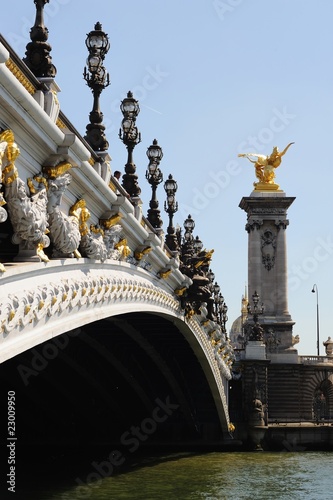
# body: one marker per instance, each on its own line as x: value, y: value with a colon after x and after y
x: 296, y: 339
x: 92, y: 239
x: 112, y: 236
x: 27, y: 213
x: 64, y: 229
x: 328, y: 347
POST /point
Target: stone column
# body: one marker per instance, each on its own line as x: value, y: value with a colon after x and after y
x: 267, y: 263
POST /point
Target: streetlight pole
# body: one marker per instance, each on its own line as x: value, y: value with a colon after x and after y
x: 130, y: 135
x: 154, y: 176
x: 171, y: 207
x: 97, y: 79
x: 315, y: 289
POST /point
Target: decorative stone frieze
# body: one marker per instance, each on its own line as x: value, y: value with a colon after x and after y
x: 266, y: 211
x: 53, y: 298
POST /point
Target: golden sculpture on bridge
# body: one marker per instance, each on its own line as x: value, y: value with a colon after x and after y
x: 265, y: 167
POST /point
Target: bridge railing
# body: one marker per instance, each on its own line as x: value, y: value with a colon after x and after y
x: 313, y: 360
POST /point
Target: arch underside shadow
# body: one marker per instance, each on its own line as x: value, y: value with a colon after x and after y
x: 107, y: 380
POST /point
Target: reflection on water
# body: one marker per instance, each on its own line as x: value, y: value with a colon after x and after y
x: 215, y: 476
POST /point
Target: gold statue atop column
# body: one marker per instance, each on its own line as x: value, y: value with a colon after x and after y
x: 265, y: 166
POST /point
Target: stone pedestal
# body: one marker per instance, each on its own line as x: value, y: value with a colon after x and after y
x: 255, y: 349
x: 267, y: 261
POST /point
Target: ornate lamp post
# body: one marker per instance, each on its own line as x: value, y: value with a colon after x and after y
x: 315, y: 290
x: 130, y: 136
x: 38, y: 57
x: 256, y: 331
x: 255, y: 311
x: 187, y: 246
x: 197, y: 245
x: 189, y: 225
x: 171, y: 207
x: 216, y: 291
x: 154, y: 176
x: 97, y: 79
x: 211, y: 276
x: 220, y: 307
x: 224, y: 317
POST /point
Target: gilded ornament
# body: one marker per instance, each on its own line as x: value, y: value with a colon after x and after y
x: 11, y: 178
x: 41, y: 254
x: 40, y: 180
x: 60, y: 124
x: 96, y: 230
x: 204, y: 258
x: 180, y: 291
x: 112, y: 221
x: 141, y: 251
x: 265, y: 166
x: 190, y: 313
x: 60, y: 169
x: 123, y: 248
x: 11, y: 315
x: 14, y: 69
x: 165, y: 273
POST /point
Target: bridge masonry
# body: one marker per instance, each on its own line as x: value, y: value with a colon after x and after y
x: 280, y: 400
x: 267, y: 265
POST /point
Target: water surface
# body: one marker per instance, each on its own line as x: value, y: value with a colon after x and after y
x: 211, y: 476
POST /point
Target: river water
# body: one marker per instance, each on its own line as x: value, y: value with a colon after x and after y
x: 210, y: 476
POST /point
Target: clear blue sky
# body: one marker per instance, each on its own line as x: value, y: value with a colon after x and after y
x: 215, y: 78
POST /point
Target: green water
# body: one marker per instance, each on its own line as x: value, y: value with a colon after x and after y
x: 212, y: 476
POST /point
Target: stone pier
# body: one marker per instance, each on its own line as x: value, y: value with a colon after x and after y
x: 267, y: 266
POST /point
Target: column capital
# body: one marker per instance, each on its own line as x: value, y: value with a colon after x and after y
x: 253, y: 224
x: 281, y: 223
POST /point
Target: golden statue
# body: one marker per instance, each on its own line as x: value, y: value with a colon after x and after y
x: 265, y: 166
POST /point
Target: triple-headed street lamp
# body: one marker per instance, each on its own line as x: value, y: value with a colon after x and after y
x: 154, y: 176
x: 97, y: 79
x: 130, y: 135
x: 171, y: 207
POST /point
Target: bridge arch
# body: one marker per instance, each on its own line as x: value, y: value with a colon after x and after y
x: 50, y: 308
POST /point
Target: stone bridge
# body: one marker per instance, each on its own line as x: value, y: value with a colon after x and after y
x: 100, y: 330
